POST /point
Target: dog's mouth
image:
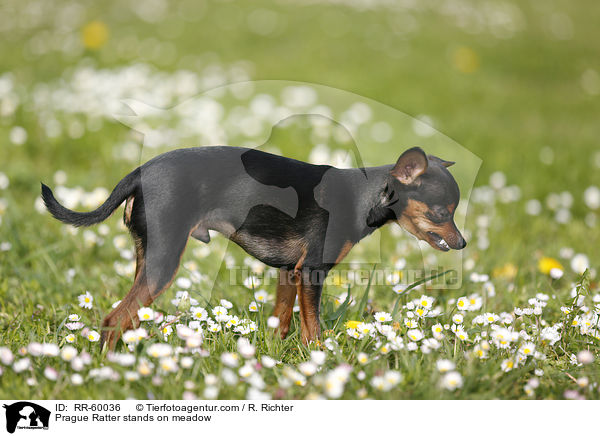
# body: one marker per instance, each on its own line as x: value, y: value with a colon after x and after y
x: 436, y: 241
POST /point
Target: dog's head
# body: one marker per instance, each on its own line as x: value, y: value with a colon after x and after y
x: 431, y: 195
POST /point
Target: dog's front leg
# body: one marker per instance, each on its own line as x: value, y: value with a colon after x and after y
x: 309, y: 285
x: 286, y: 296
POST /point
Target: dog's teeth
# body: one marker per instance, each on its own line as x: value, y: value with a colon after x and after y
x: 444, y: 244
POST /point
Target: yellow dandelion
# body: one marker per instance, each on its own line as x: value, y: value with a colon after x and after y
x: 507, y: 271
x: 547, y: 264
x: 94, y: 35
x: 352, y: 324
x: 465, y: 60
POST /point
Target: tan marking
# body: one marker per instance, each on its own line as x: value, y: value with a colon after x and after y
x: 284, y: 306
x: 128, y: 210
x: 309, y: 317
x: 344, y: 251
x: 302, y: 257
x: 415, y: 221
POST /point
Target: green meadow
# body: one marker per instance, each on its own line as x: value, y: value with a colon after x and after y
x: 509, y: 90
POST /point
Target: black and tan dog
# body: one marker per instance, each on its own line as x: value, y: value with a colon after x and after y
x: 291, y: 215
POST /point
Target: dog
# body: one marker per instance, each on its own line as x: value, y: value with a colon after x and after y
x: 298, y: 217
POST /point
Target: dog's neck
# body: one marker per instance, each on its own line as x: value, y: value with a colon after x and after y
x: 366, y: 196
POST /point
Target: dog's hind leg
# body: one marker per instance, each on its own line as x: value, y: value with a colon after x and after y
x: 286, y: 296
x: 155, y: 274
x: 158, y: 259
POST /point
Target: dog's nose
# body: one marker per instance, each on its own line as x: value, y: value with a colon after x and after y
x: 462, y: 243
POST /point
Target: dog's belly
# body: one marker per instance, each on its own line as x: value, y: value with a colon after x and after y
x: 275, y: 252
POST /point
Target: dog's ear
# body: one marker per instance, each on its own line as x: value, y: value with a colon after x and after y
x: 410, y: 165
x: 441, y: 161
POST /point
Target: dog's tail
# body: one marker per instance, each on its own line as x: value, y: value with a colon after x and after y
x: 124, y: 189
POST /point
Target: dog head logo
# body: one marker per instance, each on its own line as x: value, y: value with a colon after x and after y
x: 26, y: 415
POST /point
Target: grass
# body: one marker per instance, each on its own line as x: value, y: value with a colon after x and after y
x: 514, y: 97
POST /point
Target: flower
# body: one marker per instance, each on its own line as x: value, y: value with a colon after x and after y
x: 74, y: 317
x: 268, y: 362
x: 507, y: 271
x: 219, y: 311
x: 222, y: 318
x: 226, y: 303
x: 392, y: 377
x: 166, y: 330
x: 6, y: 356
x: 273, y: 322
x: 50, y: 373
x: 245, y: 348
x: 86, y: 300
x: 444, y: 365
x: 145, y: 314
x: 74, y: 325
x: 168, y: 364
x: 159, y: 350
x: 380, y: 384
x: 261, y: 296
x: 383, y: 317
x: 21, y: 365
x: 547, y: 264
x: 352, y: 324
x: 211, y: 392
x: 253, y: 307
x: 251, y: 281
x: 475, y: 301
x: 131, y: 376
x: 68, y: 353
x: 460, y: 333
x: 35, y: 348
x: 580, y: 263
x: 94, y: 35
x: 438, y: 331
x: 385, y: 348
x: 182, y: 299
x: 527, y: 348
x: 585, y: 357
x: 134, y: 336
x: 199, y: 313
x: 144, y: 367
x: 591, y: 197
x: 451, y: 381
x: 76, y: 379
x: 232, y: 321
x: 583, y: 382
x: 507, y: 365
x: 410, y: 323
x: 230, y: 359
x: 214, y: 327
x: 93, y: 336
x: 550, y: 335
x: 415, y: 335
x: 246, y: 371
x: 426, y: 302
x: 307, y: 368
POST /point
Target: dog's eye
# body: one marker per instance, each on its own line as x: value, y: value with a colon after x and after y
x: 438, y: 216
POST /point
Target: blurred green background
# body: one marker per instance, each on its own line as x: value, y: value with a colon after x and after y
x: 515, y: 82
x: 509, y: 80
